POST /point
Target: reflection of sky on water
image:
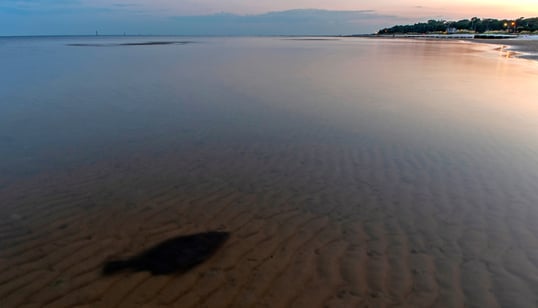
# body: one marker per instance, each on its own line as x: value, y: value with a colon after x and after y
x: 69, y: 105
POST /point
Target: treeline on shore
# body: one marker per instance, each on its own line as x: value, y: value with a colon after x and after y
x: 474, y: 24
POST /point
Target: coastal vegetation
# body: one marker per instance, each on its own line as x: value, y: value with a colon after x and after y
x: 473, y: 25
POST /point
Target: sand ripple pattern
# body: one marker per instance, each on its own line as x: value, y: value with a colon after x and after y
x: 312, y: 225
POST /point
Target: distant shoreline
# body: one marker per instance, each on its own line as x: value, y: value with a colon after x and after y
x: 525, y: 47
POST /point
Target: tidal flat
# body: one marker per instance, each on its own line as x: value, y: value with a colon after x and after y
x: 266, y: 172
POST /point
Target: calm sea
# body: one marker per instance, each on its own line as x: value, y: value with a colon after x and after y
x: 441, y: 135
x: 65, y: 106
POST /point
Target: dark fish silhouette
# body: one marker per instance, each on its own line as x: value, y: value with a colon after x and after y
x: 176, y: 255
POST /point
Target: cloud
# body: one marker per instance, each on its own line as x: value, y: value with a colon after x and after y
x: 128, y: 17
x: 291, y: 22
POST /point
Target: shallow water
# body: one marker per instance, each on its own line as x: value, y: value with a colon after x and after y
x: 353, y: 171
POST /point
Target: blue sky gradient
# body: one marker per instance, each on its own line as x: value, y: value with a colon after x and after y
x: 237, y: 17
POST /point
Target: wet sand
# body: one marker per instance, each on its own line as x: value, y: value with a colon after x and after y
x: 516, y: 45
x: 417, y: 213
x: 306, y: 230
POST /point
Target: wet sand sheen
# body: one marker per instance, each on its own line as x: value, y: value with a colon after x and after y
x: 528, y: 46
x: 340, y: 242
x: 316, y: 218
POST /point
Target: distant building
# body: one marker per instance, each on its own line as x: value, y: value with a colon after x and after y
x: 451, y: 30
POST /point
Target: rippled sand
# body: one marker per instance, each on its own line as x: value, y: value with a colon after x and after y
x: 311, y: 225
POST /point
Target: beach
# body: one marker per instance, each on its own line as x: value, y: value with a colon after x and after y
x: 345, y: 173
x: 529, y: 47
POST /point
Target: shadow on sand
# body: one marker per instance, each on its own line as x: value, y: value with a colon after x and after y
x: 175, y: 255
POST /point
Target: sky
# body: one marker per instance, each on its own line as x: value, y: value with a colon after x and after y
x: 239, y: 17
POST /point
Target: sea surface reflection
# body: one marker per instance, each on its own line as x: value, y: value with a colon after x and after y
x: 347, y: 171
